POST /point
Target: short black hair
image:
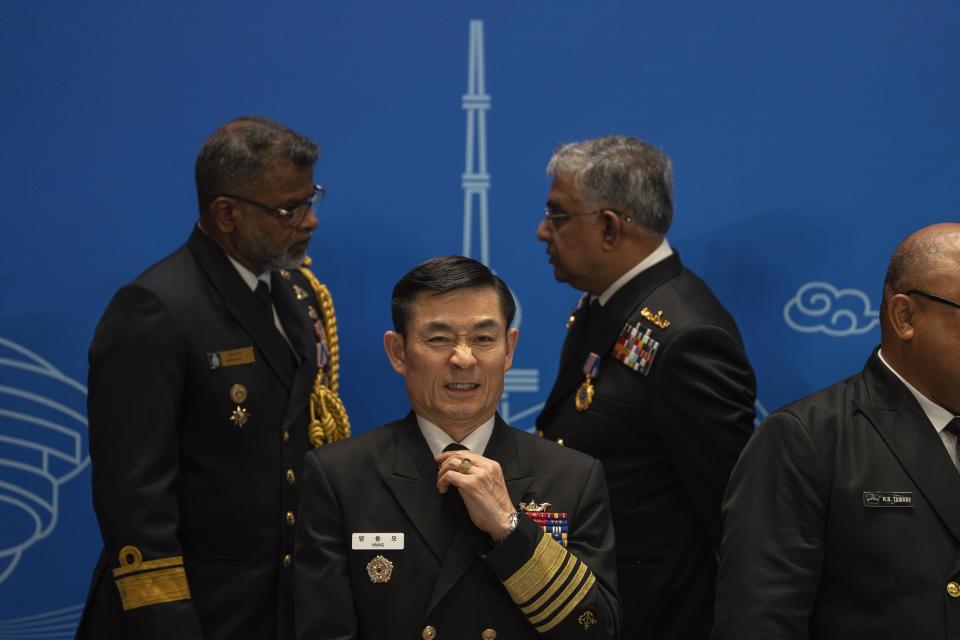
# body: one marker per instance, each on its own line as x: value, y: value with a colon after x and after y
x: 443, y: 275
x: 236, y: 155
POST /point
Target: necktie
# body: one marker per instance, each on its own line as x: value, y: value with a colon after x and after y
x: 954, y: 427
x: 263, y: 295
x: 453, y: 507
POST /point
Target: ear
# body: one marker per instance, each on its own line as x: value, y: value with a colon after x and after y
x: 611, y: 230
x: 512, y: 336
x: 222, y: 212
x: 393, y: 346
x: 902, y: 314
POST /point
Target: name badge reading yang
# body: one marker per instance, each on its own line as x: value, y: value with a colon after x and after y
x: 363, y: 541
x: 888, y: 499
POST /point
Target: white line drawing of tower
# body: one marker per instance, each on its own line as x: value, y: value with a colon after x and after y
x: 476, y: 188
x: 476, y: 177
x: 43, y: 444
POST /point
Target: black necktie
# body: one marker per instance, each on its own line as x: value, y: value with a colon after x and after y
x: 453, y: 508
x: 954, y: 427
x: 263, y: 295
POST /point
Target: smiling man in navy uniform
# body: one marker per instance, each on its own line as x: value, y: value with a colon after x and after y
x: 211, y: 375
x: 653, y: 379
x: 842, y: 518
x: 449, y: 523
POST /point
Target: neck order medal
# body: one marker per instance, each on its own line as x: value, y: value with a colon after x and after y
x: 591, y: 369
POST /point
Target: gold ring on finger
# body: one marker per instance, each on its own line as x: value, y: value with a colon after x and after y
x: 465, y: 465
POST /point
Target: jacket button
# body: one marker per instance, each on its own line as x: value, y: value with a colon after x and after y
x: 560, y: 441
x: 287, y: 559
x: 291, y: 518
x: 539, y: 433
x: 286, y: 435
x: 953, y: 589
x: 428, y: 633
x: 488, y: 634
x: 291, y: 476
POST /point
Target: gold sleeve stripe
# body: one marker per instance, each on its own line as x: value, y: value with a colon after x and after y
x: 153, y: 587
x: 563, y: 613
x: 571, y: 562
x: 562, y: 596
x: 124, y: 569
x: 534, y: 575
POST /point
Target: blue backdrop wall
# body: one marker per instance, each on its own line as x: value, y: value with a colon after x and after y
x: 807, y: 140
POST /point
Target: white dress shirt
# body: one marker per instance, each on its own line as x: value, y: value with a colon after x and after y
x: 659, y: 254
x: 437, y: 439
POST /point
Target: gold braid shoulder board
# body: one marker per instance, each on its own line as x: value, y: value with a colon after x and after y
x: 328, y: 417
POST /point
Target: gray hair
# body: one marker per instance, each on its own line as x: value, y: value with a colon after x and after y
x: 236, y: 156
x: 622, y: 173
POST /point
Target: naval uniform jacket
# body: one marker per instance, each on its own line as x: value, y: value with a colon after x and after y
x: 448, y: 581
x: 667, y: 438
x: 196, y: 510
x: 842, y: 521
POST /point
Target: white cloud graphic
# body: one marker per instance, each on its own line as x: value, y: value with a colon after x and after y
x: 821, y: 307
x: 43, y: 444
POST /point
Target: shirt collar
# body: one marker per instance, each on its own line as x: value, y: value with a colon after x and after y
x: 437, y: 439
x: 937, y: 415
x: 249, y: 276
x: 659, y: 254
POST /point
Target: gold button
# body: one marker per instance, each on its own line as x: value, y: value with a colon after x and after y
x: 428, y: 633
x: 953, y: 589
x: 287, y: 559
x: 291, y: 476
x: 286, y: 436
x: 539, y: 433
x: 291, y: 519
x: 560, y: 441
x: 488, y: 634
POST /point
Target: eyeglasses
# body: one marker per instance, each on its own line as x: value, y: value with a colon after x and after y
x: 292, y: 217
x: 946, y: 301
x: 552, y: 217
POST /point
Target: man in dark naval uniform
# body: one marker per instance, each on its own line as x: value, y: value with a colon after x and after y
x: 842, y: 517
x: 211, y: 375
x: 449, y: 523
x: 653, y: 379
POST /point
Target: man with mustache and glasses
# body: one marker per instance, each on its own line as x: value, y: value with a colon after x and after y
x: 449, y: 523
x: 653, y: 379
x: 211, y: 375
x: 842, y: 518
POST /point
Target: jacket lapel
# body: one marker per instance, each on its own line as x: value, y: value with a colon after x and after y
x: 603, y: 328
x: 469, y: 541
x: 242, y: 303
x: 413, y: 481
x: 301, y: 339
x: 907, y: 431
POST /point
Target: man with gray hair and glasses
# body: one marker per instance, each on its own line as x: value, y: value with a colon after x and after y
x: 211, y: 376
x: 653, y: 379
x: 842, y: 517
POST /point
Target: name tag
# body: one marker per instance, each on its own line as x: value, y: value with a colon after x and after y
x: 377, y: 541
x: 232, y: 358
x: 888, y: 499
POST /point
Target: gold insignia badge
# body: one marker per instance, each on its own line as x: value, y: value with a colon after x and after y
x: 239, y: 416
x: 533, y: 507
x: 587, y: 620
x: 656, y: 318
x: 284, y: 274
x: 584, y: 395
x: 379, y: 569
x: 312, y: 312
x: 299, y: 292
x: 238, y: 393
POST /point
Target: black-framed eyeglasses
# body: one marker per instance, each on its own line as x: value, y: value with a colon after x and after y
x: 293, y: 216
x: 552, y: 217
x: 946, y: 301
